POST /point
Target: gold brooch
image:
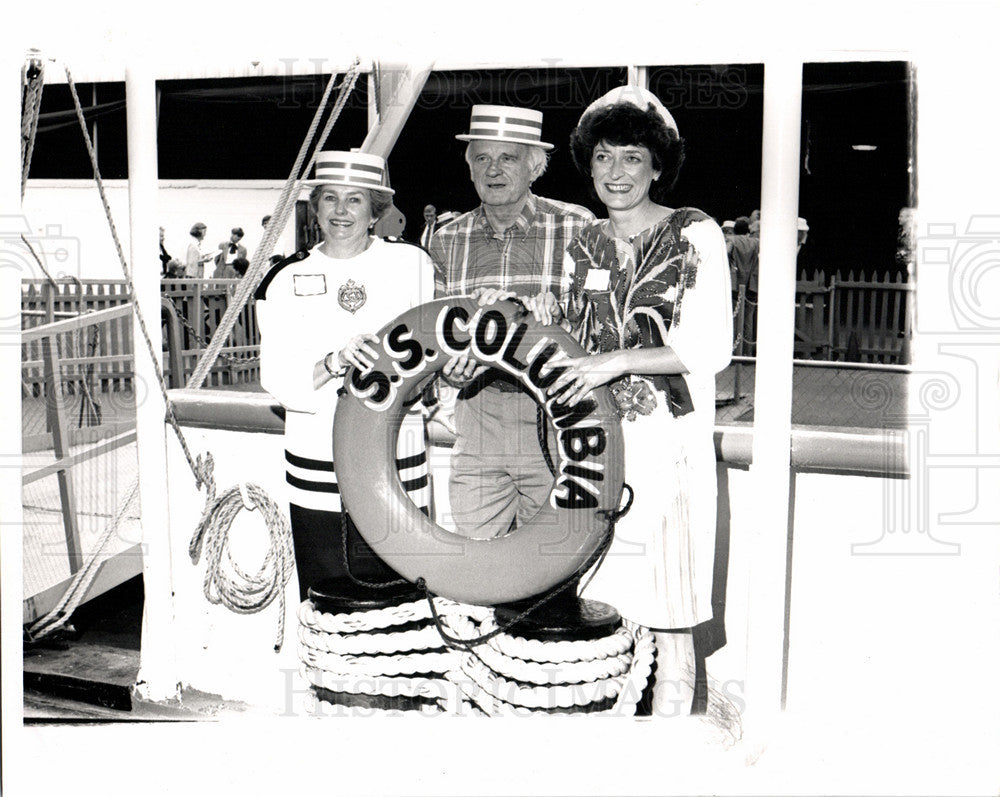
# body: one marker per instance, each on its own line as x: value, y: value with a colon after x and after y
x: 352, y: 296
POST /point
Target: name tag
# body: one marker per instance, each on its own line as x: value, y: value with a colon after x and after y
x: 598, y: 279
x: 310, y: 284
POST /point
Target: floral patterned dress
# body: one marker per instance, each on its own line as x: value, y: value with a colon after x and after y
x: 668, y: 285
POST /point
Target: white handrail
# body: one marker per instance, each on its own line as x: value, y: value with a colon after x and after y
x: 77, y: 322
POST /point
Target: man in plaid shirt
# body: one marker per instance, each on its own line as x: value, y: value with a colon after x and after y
x: 511, y: 246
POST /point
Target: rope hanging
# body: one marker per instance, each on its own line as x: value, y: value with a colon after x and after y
x: 251, y: 593
x: 130, y: 287
x: 81, y: 582
x: 257, y: 591
x: 33, y: 79
x: 34, y: 254
x: 279, y: 218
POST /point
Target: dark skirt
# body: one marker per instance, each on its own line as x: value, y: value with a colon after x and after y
x: 319, y: 539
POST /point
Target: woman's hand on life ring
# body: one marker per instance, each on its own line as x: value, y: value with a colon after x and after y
x: 570, y: 526
x: 358, y: 353
x: 461, y: 370
x: 582, y: 375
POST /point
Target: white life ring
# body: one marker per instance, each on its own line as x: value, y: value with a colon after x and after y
x: 569, y: 527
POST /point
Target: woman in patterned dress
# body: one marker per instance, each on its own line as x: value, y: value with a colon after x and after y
x: 651, y: 304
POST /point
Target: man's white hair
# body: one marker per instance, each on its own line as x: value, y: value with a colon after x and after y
x: 537, y: 157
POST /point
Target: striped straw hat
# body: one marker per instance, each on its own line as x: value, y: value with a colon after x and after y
x: 504, y: 123
x: 353, y: 169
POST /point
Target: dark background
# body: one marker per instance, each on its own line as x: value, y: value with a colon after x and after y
x: 252, y: 128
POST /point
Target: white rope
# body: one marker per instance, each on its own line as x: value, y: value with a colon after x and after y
x: 545, y: 673
x: 550, y: 673
x: 351, y: 622
x: 84, y: 577
x: 562, y: 651
x: 559, y: 696
x: 362, y: 643
x: 478, y: 698
x: 248, y: 593
x: 409, y: 663
x: 644, y: 653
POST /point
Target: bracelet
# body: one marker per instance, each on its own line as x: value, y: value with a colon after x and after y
x: 330, y: 371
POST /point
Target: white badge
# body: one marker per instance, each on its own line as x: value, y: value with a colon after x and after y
x: 598, y: 279
x: 310, y: 284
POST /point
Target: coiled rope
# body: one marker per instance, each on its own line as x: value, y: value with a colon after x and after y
x: 248, y: 594
x: 251, y: 593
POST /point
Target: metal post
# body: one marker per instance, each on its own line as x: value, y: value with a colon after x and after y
x: 407, y: 83
x: 770, y: 471
x: 50, y: 301
x: 158, y: 667
x: 175, y: 343
x: 55, y: 412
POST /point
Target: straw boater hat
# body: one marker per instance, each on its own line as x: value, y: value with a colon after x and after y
x: 351, y: 169
x: 505, y: 123
x: 639, y: 97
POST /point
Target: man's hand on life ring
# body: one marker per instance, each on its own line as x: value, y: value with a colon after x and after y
x: 359, y: 353
x: 543, y: 306
x: 485, y: 296
x: 461, y: 370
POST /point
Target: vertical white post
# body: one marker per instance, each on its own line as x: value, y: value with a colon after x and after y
x: 158, y: 669
x: 372, y: 101
x: 637, y: 76
x: 12, y: 269
x: 770, y: 470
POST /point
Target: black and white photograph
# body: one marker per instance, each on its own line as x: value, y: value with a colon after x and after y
x: 501, y: 400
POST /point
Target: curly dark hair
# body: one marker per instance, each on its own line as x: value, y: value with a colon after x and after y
x: 624, y: 124
x: 380, y: 201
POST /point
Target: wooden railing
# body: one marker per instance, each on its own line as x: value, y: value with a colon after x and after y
x: 856, y: 319
x: 102, y: 354
x: 98, y: 353
x: 57, y: 373
x: 197, y: 307
x: 851, y: 320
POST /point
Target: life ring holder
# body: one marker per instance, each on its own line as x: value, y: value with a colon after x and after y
x: 570, y: 527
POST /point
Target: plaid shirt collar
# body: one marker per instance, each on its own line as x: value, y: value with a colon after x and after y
x: 525, y: 219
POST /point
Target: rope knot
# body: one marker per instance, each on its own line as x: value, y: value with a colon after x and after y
x: 204, y: 472
x: 614, y: 515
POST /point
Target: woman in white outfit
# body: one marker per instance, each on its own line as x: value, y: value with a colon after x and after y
x: 318, y: 312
